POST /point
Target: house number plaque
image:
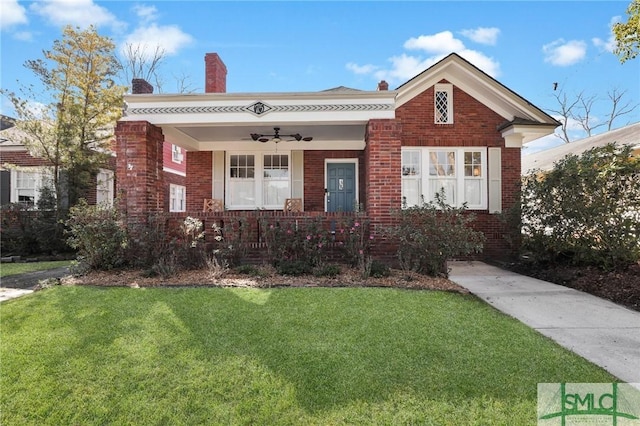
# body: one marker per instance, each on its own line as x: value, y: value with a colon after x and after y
x: 340, y: 184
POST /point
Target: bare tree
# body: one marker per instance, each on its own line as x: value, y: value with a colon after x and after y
x: 140, y: 61
x: 582, y: 114
x: 618, y: 106
x: 565, y: 112
x: 579, y: 109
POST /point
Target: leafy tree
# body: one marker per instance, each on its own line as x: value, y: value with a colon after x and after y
x: 628, y: 34
x: 70, y: 123
x: 586, y: 210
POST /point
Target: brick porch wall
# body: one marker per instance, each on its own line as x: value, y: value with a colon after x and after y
x: 139, y: 169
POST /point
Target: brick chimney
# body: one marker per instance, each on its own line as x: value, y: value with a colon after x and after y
x: 215, y: 74
x: 140, y: 86
x: 383, y: 85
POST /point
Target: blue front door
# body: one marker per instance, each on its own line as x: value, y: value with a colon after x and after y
x: 341, y: 187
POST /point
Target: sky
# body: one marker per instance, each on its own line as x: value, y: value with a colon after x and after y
x: 279, y: 46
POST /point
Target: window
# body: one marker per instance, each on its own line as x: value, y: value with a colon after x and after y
x: 177, y: 198
x: 275, y: 186
x: 460, y: 172
x: 411, y: 177
x: 26, y: 187
x: 176, y: 154
x: 104, y: 188
x: 28, y: 183
x: 258, y: 181
x: 443, y: 103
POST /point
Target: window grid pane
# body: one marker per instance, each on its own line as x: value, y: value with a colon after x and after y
x: 442, y: 163
x: 275, y: 187
x: 441, y: 107
x: 473, y: 164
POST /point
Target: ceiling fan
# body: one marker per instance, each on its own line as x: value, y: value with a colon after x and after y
x: 277, y: 137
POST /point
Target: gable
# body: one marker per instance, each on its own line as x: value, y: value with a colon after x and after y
x: 485, y: 89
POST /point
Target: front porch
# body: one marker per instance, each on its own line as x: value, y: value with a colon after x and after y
x: 254, y: 231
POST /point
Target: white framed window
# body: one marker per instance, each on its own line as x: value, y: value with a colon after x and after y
x: 27, y: 183
x: 177, y: 198
x: 176, y: 154
x: 104, y: 188
x: 443, y: 104
x: 275, y: 183
x: 258, y: 180
x: 460, y: 172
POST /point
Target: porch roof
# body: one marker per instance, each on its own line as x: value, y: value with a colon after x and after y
x: 220, y: 121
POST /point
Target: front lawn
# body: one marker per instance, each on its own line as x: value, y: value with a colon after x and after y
x: 89, y: 355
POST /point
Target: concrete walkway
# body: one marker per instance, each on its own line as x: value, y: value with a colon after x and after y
x: 601, y: 331
x: 18, y: 285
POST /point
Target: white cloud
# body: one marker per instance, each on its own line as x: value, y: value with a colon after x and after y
x: 442, y: 42
x: 482, y: 35
x: 170, y: 38
x: 23, y: 35
x: 610, y: 43
x: 81, y: 13
x: 146, y: 13
x: 12, y: 14
x: 437, y: 46
x: 361, y: 69
x: 564, y: 53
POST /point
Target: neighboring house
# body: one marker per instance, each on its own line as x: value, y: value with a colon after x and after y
x: 545, y: 160
x: 452, y: 127
x: 22, y: 175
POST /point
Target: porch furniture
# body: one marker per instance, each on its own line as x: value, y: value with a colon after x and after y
x: 213, y: 205
x: 293, y: 205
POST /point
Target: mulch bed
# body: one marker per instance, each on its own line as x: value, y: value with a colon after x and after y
x: 269, y: 279
x: 620, y: 286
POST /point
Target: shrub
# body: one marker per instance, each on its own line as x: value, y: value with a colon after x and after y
x: 290, y: 240
x: 330, y: 271
x: 230, y: 241
x: 294, y: 268
x: 379, y: 269
x: 48, y: 223
x: 17, y: 235
x: 432, y: 233
x: 355, y: 238
x: 586, y: 210
x: 98, y: 234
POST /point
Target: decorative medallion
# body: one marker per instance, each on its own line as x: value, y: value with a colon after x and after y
x: 258, y: 108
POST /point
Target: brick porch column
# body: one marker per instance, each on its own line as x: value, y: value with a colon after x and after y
x: 382, y: 165
x: 139, y: 165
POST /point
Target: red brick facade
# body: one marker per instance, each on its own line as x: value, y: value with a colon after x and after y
x: 474, y: 124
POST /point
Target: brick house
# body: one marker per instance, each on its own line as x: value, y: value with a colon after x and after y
x: 22, y: 175
x: 339, y: 150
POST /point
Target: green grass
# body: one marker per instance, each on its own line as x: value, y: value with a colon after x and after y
x: 7, y: 269
x: 83, y: 355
